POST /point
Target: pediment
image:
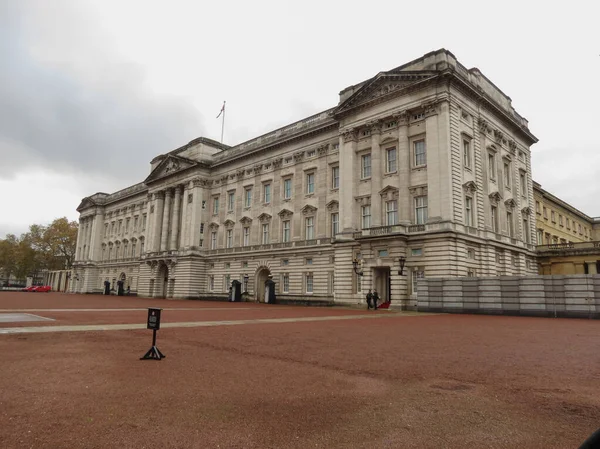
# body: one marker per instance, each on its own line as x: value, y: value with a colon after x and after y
x: 333, y: 205
x: 382, y: 86
x: 264, y: 217
x: 495, y: 197
x: 213, y: 226
x: 470, y: 186
x: 229, y: 223
x: 246, y: 220
x: 308, y: 209
x: 170, y: 165
x: 85, y: 203
x: 510, y: 203
x: 285, y: 213
x: 387, y: 189
x: 526, y: 211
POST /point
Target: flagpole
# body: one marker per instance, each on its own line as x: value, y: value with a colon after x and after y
x: 223, y: 122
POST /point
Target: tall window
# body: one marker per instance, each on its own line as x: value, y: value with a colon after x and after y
x: 523, y: 181
x: 286, y: 231
x: 309, y: 282
x: 119, y: 229
x: 509, y: 224
x: 366, y: 217
x: 553, y: 216
x: 105, y: 229
x: 133, y: 245
x: 267, y: 193
x: 365, y: 166
x: 248, y: 197
x: 335, y: 177
x: 246, y: 236
x: 136, y: 222
x: 420, y: 153
x: 213, y: 240
x: 560, y: 219
x: 211, y: 283
x: 287, y: 189
x: 265, y: 233
x: 103, y: 252
x: 467, y: 153
x: 142, y: 243
x: 229, y: 238
x: 127, y: 225
x: 310, y: 228
x: 492, y: 165
x: 494, y: 212
x: 390, y: 160
x: 507, y: 174
x: 286, y: 283
x: 421, y: 209
x: 540, y: 237
x: 416, y: 274
x: 526, y: 230
x: 125, y: 249
x: 215, y: 206
x: 391, y: 212
x: 144, y: 222
x: 335, y: 224
x: 468, y: 211
x: 230, y: 201
x: 310, y: 183
x: 227, y: 282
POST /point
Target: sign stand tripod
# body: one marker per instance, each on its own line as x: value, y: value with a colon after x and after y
x: 154, y: 324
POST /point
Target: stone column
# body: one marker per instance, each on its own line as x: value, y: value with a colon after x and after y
x: 79, y: 240
x: 404, y: 169
x: 96, y: 236
x: 175, y: 223
x: 184, y: 220
x: 165, y: 220
x: 376, y: 174
x: 195, y: 213
x: 159, y: 207
x: 348, y: 143
x: 591, y: 267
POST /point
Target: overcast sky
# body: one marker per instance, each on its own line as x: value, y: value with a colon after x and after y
x: 91, y: 91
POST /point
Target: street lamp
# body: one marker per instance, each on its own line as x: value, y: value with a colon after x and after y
x: 401, y: 260
x: 355, y: 264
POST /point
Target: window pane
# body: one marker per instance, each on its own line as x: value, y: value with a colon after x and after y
x: 366, y: 166
x: 419, y: 150
x: 391, y: 160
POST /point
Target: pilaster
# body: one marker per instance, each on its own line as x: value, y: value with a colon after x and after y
x: 404, y: 168
x: 174, y: 245
x: 376, y: 174
x: 348, y: 145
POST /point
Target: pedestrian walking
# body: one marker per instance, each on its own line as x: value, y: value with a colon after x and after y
x: 369, y: 299
x: 375, y: 299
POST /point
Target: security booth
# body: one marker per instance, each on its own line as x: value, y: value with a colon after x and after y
x: 235, y: 292
x: 270, y: 297
x: 107, y: 287
x: 120, y: 289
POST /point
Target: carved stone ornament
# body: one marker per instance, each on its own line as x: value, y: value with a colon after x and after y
x: 229, y: 224
x: 375, y: 126
x: 171, y: 166
x: 308, y: 210
x: 418, y: 191
x: 213, y: 226
x: 232, y: 175
x: 401, y: 117
x: 224, y: 179
x: 246, y: 220
x: 364, y: 200
x: 322, y: 150
x: 277, y: 162
x: 430, y: 108
x: 257, y: 169
x: 264, y: 217
x: 285, y: 213
x: 160, y: 195
x: 151, y: 209
x: 510, y: 203
x: 198, y: 182
x: 240, y: 173
x: 526, y: 210
x: 498, y: 135
x: 470, y: 187
x: 350, y: 135
x: 495, y: 197
x: 483, y: 125
x: 298, y: 156
x: 333, y: 206
x: 512, y: 146
x: 389, y: 193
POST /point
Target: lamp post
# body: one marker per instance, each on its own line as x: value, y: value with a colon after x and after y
x: 401, y: 261
x: 355, y: 264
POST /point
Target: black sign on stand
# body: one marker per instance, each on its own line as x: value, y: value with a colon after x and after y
x: 154, y: 324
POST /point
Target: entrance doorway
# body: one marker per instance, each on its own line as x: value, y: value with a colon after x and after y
x: 382, y: 283
x: 162, y: 279
x: 262, y: 274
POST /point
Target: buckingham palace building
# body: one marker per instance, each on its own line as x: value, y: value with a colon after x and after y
x: 426, y: 166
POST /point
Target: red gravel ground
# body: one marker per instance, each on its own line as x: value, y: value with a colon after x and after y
x: 430, y: 381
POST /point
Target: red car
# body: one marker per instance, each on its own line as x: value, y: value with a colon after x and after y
x: 42, y: 288
x: 29, y: 289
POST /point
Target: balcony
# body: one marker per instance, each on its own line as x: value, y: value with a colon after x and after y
x: 563, y: 249
x: 269, y: 246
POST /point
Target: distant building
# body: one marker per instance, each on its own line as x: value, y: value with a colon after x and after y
x: 428, y: 161
x: 568, y: 239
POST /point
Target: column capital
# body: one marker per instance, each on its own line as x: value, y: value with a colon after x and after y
x: 169, y: 192
x: 178, y: 189
x: 401, y: 117
x: 349, y: 135
x: 159, y: 195
x: 375, y: 127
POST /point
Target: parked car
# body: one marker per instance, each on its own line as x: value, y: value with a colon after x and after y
x: 42, y: 289
x: 29, y: 289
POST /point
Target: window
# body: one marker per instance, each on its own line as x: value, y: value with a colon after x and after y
x: 390, y: 160
x: 201, y: 228
x: 311, y: 153
x: 416, y: 252
x: 286, y: 283
x: 560, y: 220
x: 133, y: 244
x: 523, y: 181
x: 309, y: 282
x: 335, y: 177
x: 308, y: 261
x: 421, y: 209
x: 215, y: 206
x: 470, y: 253
x: 287, y: 189
x: 467, y: 153
x: 285, y: 231
x: 365, y: 166
x: 507, y: 175
x: 211, y: 283
x: 579, y: 228
x: 540, y: 237
x: 227, y: 282
x: 310, y: 183
x: 470, y: 273
x: 309, y: 228
x: 391, y: 213
x: 227, y: 265
x: 285, y: 262
x: 203, y: 204
x: 229, y: 238
x: 267, y: 193
x: 568, y: 224
x: 142, y: 242
x: 383, y: 253
x: 509, y: 224
x: 144, y: 222
x: 420, y: 154
x: 127, y: 225
x: 105, y: 229
x: 230, y: 201
x: 494, y: 214
x: 248, y: 197
x: 553, y: 216
x: 265, y: 233
x: 366, y: 217
x: 245, y: 280
x: 335, y: 224
x: 135, y: 223
x: 416, y: 274
x: 526, y: 230
x: 246, y: 240
x: 545, y: 213
x: 492, y: 166
x: 537, y: 207
x: 119, y: 227
x: 213, y: 240
x: 468, y: 211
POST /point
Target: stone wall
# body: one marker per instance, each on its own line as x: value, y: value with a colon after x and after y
x: 553, y: 296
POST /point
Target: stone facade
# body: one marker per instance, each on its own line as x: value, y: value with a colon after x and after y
x: 428, y: 161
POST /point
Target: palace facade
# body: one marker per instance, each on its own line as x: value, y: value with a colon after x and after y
x: 428, y: 162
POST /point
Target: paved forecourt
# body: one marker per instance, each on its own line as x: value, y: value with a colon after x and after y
x: 257, y: 376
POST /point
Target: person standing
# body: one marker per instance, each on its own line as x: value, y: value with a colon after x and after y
x: 369, y: 299
x: 375, y: 299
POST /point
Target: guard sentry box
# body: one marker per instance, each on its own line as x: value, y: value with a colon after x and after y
x: 154, y: 318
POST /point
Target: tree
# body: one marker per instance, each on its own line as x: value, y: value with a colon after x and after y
x: 61, y: 240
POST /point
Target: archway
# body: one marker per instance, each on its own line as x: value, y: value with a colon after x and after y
x: 262, y: 274
x: 162, y: 279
